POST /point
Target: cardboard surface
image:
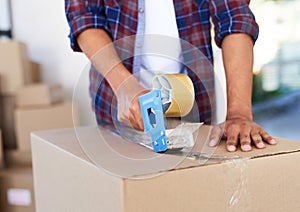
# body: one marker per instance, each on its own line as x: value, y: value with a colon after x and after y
x: 17, y: 193
x: 92, y: 170
x: 39, y: 94
x: 15, y: 68
x: 36, y: 119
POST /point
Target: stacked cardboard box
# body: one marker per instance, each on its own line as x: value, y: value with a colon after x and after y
x: 16, y: 182
x: 14, y: 66
x: 26, y: 105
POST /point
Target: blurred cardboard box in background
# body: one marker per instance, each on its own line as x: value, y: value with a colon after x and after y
x: 39, y: 94
x: 15, y: 67
x: 28, y: 120
x: 24, y: 107
x: 16, y: 70
x: 17, y: 190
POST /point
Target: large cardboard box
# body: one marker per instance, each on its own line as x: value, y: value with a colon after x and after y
x: 34, y: 119
x: 7, y: 107
x: 88, y: 169
x: 16, y: 190
x: 14, y: 66
x: 39, y: 94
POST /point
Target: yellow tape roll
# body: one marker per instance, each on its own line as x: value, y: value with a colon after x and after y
x: 179, y: 90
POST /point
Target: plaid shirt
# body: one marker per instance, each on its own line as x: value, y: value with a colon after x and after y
x: 122, y: 18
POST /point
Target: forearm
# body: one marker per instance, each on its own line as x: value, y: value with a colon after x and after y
x: 237, y: 52
x: 98, y: 47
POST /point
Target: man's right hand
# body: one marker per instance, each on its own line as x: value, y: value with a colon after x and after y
x: 129, y: 111
x: 99, y: 48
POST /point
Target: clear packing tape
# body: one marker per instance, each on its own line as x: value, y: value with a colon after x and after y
x: 182, y: 142
x: 181, y: 136
x: 236, y: 186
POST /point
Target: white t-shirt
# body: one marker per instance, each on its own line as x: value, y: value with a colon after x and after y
x: 161, y: 47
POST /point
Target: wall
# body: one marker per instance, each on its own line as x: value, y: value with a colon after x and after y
x: 43, y: 27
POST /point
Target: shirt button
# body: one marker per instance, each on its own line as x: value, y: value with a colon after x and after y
x: 139, y: 45
x: 141, y: 10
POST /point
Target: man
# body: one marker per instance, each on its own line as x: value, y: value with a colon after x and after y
x: 95, y: 24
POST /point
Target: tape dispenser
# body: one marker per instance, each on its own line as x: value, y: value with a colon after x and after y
x: 172, y: 96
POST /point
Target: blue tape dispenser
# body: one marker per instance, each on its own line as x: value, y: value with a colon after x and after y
x: 153, y: 118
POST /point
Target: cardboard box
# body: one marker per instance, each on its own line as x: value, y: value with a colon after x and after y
x: 35, y: 119
x: 17, y: 193
x: 14, y: 66
x: 39, y: 94
x: 35, y: 72
x: 15, y: 157
x: 7, y: 107
x: 88, y: 169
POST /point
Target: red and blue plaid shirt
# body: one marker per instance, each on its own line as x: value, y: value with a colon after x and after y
x: 122, y: 18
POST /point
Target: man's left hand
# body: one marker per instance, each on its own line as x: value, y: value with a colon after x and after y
x: 238, y: 131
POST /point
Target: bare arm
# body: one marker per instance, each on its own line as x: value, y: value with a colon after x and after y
x: 237, y: 52
x: 98, y: 47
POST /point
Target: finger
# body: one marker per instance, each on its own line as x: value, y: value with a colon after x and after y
x: 267, y: 138
x: 140, y: 120
x: 125, y: 121
x: 132, y: 117
x: 232, y: 137
x: 124, y: 117
x: 257, y: 139
x: 136, y: 116
x: 215, y: 135
x: 133, y: 122
x: 245, y: 138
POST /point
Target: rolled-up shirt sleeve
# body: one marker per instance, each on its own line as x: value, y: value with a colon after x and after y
x: 83, y: 14
x: 232, y: 16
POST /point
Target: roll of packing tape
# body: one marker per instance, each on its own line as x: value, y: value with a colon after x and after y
x: 177, y: 92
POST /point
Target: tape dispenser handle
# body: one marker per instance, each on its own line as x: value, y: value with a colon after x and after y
x: 153, y: 119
